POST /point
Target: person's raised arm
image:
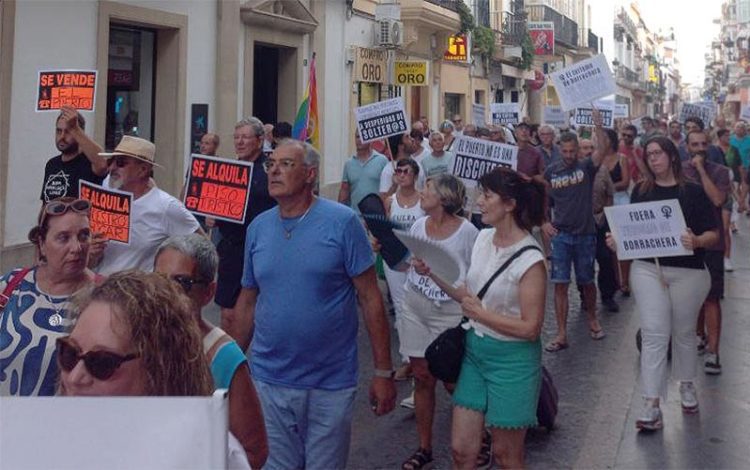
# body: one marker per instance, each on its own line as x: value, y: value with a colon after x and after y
x: 600, y: 138
x: 85, y: 144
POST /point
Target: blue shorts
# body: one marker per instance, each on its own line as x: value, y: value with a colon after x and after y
x: 580, y: 250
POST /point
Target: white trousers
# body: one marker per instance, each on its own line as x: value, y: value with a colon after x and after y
x: 396, y: 281
x: 664, y: 311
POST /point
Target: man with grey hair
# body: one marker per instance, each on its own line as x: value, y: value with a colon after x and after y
x: 308, y: 263
x: 248, y: 146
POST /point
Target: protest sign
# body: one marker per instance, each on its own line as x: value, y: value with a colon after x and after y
x: 583, y: 82
x: 584, y: 116
x: 542, y: 35
x: 410, y: 72
x: 443, y: 263
x: 648, y: 229
x: 218, y: 188
x: 380, y: 120
x: 475, y: 157
x: 114, y: 432
x: 58, y: 88
x: 555, y: 116
x: 703, y: 111
x: 505, y: 113
x: 745, y: 113
x: 622, y: 111
x: 478, y: 114
x: 110, y: 211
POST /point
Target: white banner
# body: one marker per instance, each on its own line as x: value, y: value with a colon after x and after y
x: 583, y: 116
x: 745, y: 113
x: 583, y: 82
x: 478, y: 114
x: 505, y: 113
x: 622, y: 111
x: 704, y: 111
x: 380, y: 120
x: 648, y: 229
x: 555, y: 116
x: 475, y: 157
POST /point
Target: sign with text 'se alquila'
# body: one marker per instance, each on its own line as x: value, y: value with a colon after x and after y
x: 505, y: 113
x: 583, y: 82
x: 110, y: 211
x: 218, y: 188
x: 475, y: 157
x: 648, y: 229
x: 380, y: 120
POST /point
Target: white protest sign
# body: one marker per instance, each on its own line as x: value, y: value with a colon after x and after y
x: 478, y: 114
x: 85, y: 433
x: 475, y: 157
x: 622, y: 111
x: 583, y: 82
x: 583, y: 116
x: 745, y: 113
x: 701, y: 110
x: 505, y: 113
x: 555, y: 116
x: 443, y: 263
x: 648, y: 229
x: 380, y: 120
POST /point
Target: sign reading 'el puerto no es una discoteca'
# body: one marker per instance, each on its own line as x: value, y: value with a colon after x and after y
x: 218, y: 188
x: 475, y: 157
x: 583, y: 82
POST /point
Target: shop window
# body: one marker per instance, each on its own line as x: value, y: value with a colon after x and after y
x: 452, y: 105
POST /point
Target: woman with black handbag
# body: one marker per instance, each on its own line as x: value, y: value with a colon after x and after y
x: 498, y: 386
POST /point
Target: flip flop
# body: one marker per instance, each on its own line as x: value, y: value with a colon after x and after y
x: 597, y: 334
x: 555, y: 346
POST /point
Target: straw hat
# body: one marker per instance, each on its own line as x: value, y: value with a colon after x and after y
x: 135, y: 147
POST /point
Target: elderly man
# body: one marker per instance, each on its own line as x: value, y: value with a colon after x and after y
x: 307, y: 264
x: 79, y: 158
x: 155, y: 215
x: 458, y: 124
x: 550, y: 150
x: 361, y: 174
x: 209, y: 144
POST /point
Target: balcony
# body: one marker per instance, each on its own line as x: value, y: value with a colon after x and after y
x: 514, y: 29
x: 627, y: 78
x: 430, y: 15
x: 451, y: 5
x: 566, y: 30
x: 593, y: 42
x: 624, y: 20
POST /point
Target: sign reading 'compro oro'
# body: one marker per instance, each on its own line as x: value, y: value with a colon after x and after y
x: 370, y: 65
x: 475, y: 157
x: 380, y: 120
x: 648, y: 229
x: 410, y: 72
x: 583, y: 82
x: 218, y: 188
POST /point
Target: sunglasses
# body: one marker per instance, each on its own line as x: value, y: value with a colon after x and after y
x: 100, y: 364
x: 120, y: 161
x: 401, y: 171
x: 55, y: 208
x: 187, y: 282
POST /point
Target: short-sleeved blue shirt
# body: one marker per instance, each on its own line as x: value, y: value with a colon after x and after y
x: 306, y: 312
x: 363, y: 177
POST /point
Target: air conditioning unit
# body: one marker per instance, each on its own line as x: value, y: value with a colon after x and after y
x: 389, y: 33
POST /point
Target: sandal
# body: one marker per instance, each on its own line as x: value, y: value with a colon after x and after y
x: 597, y: 334
x: 555, y: 346
x: 484, y: 458
x: 421, y: 459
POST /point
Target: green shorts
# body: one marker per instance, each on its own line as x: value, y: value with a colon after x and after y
x: 500, y: 379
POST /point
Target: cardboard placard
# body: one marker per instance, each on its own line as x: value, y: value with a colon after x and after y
x: 110, y: 211
x: 410, y: 72
x: 380, y: 120
x: 505, y: 113
x: 58, y: 88
x: 478, y: 114
x: 583, y: 116
x: 475, y: 157
x: 443, y: 263
x: 622, y: 111
x: 584, y: 82
x: 702, y: 110
x: 648, y: 229
x: 218, y: 188
x: 555, y: 116
x: 542, y: 35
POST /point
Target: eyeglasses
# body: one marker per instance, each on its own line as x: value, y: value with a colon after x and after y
x: 401, y: 171
x: 655, y: 153
x: 120, y: 161
x: 284, y: 164
x: 187, y: 282
x: 100, y: 364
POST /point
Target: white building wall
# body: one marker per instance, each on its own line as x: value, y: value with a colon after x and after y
x: 334, y: 112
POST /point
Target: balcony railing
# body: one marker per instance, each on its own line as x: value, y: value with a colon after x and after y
x: 514, y: 29
x: 624, y: 19
x: 566, y: 30
x: 451, y: 5
x: 593, y: 41
x: 627, y: 78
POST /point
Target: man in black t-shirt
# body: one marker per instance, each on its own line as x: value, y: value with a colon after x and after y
x: 79, y: 160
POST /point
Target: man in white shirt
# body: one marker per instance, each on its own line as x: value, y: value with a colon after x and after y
x: 154, y: 216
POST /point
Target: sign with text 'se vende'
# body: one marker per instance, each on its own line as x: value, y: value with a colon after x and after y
x: 410, y: 73
x: 648, y: 229
x: 58, y: 88
x: 380, y: 120
x: 475, y: 157
x: 218, y: 188
x: 583, y: 82
x: 110, y: 211
x: 505, y: 113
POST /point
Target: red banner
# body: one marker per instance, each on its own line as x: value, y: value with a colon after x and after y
x: 218, y: 188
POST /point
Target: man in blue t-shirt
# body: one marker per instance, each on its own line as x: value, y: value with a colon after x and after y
x: 307, y: 263
x: 741, y: 140
x: 361, y: 174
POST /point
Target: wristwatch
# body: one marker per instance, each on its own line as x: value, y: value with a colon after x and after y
x: 385, y: 373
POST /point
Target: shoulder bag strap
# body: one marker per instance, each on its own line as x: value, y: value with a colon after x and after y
x: 11, y: 286
x: 504, y: 266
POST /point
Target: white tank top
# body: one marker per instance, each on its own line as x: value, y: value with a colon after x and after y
x: 405, y: 216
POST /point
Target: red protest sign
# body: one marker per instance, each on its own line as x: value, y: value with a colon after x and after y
x: 218, y: 188
x: 110, y: 211
x: 58, y: 88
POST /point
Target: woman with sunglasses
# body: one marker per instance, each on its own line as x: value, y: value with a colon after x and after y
x: 37, y: 299
x: 135, y: 335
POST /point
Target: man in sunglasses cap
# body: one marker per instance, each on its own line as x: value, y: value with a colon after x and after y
x: 154, y: 216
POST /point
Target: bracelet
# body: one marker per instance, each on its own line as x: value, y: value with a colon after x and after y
x: 384, y: 373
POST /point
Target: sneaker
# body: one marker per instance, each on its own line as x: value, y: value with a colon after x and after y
x: 712, y: 365
x: 728, y: 265
x: 611, y: 305
x: 408, y: 402
x: 688, y: 397
x: 701, y: 345
x: 650, y: 417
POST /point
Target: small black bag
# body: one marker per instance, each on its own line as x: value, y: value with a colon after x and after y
x: 445, y: 354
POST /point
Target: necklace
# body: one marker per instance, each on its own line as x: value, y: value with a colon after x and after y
x: 56, y: 319
x: 288, y: 231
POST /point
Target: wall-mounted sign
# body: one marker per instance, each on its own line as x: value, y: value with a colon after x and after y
x: 370, y: 65
x: 542, y: 35
x: 458, y: 47
x: 410, y: 73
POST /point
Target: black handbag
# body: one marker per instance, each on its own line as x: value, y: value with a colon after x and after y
x: 445, y: 354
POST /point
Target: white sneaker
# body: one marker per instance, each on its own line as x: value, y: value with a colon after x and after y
x: 688, y: 397
x: 712, y: 365
x: 728, y: 265
x: 408, y: 402
x: 650, y: 417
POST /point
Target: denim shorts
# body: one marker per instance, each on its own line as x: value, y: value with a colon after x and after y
x: 580, y: 250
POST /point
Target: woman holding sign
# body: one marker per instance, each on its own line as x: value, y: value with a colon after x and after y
x: 35, y: 300
x: 669, y: 291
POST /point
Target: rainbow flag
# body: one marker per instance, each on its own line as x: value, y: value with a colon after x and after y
x: 306, y: 123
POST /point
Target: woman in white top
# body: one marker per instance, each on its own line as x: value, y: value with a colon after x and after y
x: 501, y: 372
x: 428, y: 310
